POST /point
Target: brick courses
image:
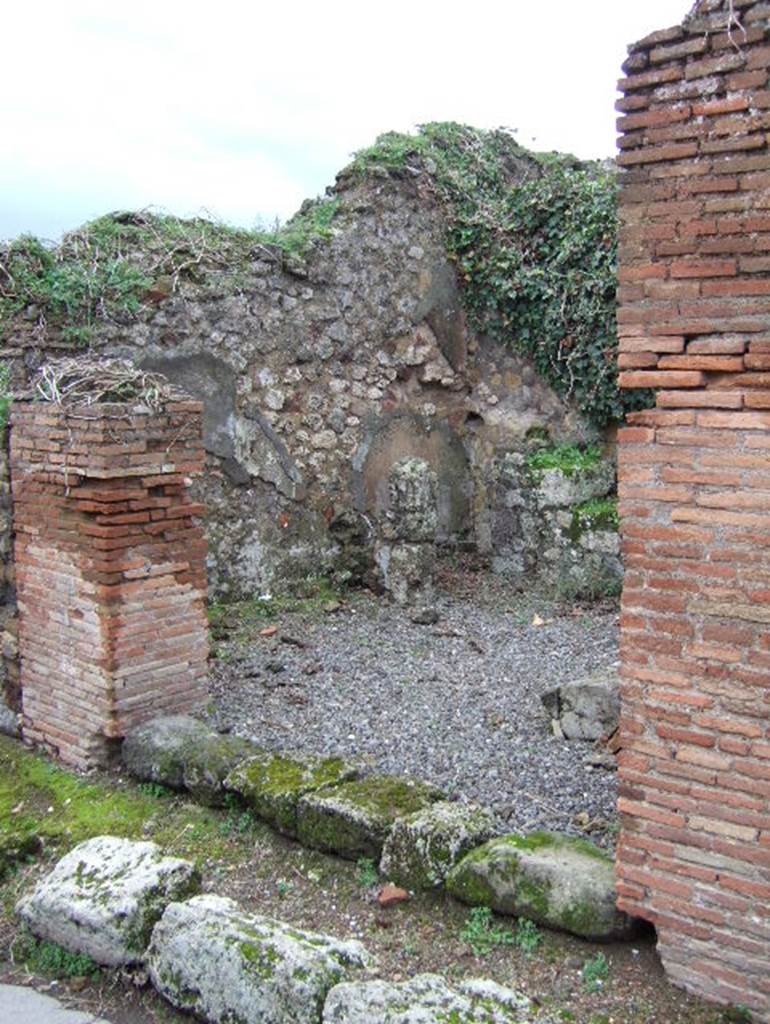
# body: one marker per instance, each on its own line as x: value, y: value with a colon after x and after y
x: 110, y: 570
x: 694, y: 486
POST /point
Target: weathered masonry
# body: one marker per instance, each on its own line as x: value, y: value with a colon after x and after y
x: 110, y: 570
x: 694, y: 318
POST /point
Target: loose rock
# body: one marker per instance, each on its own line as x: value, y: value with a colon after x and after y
x: 588, y: 708
x: 554, y: 880
x: 104, y: 896
x: 211, y: 958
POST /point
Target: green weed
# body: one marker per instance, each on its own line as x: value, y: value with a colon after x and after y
x: 49, y: 958
x: 527, y: 936
x: 595, y: 972
x: 367, y: 872
x: 482, y: 934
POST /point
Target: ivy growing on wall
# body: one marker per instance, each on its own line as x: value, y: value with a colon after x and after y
x: 534, y: 238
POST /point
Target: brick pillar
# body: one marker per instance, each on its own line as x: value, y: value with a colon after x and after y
x: 694, y: 484
x: 110, y: 570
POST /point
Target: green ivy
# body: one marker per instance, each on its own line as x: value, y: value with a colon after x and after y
x: 535, y: 243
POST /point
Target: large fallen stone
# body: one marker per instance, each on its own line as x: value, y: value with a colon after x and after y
x: 209, y: 957
x: 420, y: 849
x: 272, y: 784
x: 426, y: 999
x: 156, y: 751
x: 554, y: 880
x: 586, y: 709
x: 104, y: 897
x: 353, y: 819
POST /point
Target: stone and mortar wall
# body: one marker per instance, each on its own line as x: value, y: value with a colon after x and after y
x: 318, y: 378
x: 694, y: 484
x: 110, y: 570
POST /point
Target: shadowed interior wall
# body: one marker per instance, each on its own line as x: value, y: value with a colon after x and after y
x: 694, y: 480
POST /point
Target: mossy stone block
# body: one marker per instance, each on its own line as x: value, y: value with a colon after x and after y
x: 353, y: 819
x: 156, y: 751
x: 272, y: 784
x: 206, y: 765
x: 421, y: 848
x: 555, y: 880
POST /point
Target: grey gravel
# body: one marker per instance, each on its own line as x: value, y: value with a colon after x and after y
x: 456, y: 703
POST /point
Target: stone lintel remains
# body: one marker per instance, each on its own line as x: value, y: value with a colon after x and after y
x: 110, y: 569
x: 694, y: 486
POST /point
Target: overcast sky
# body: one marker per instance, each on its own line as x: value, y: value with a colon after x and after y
x: 242, y: 109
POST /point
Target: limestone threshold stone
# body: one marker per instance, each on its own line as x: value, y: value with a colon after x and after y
x: 554, y: 880
x: 155, y: 751
x: 586, y: 709
x: 272, y: 784
x: 104, y: 897
x: 206, y: 765
x: 426, y: 999
x: 211, y: 958
x: 421, y: 848
x: 183, y: 753
x: 353, y: 819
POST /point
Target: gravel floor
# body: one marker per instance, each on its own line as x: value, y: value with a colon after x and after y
x: 455, y: 703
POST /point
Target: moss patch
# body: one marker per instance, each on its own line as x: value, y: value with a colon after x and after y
x: 353, y: 819
x: 597, y: 514
x: 39, y: 798
x: 567, y: 458
x: 272, y: 784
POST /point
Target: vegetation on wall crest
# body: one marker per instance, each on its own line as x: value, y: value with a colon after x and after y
x: 533, y: 237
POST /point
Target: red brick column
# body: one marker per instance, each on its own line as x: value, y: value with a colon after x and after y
x: 110, y: 570
x: 694, y: 325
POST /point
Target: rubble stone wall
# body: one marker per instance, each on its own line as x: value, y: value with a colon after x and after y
x: 694, y: 486
x: 317, y: 377
x: 110, y: 570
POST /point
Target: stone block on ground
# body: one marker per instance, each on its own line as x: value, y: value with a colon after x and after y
x: 353, y: 819
x: 426, y: 999
x: 420, y: 849
x: 554, y: 880
x: 156, y: 751
x: 209, y: 957
x: 104, y: 897
x: 207, y: 764
x: 588, y: 708
x: 272, y: 784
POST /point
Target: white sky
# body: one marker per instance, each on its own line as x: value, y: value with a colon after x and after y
x: 243, y: 109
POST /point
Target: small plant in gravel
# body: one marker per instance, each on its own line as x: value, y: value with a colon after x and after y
x: 595, y: 972
x: 367, y: 872
x: 482, y: 934
x: 528, y: 936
